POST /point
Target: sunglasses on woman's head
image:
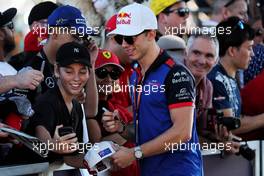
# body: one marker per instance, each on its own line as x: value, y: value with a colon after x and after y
x: 182, y: 12
x: 102, y: 73
x: 239, y: 26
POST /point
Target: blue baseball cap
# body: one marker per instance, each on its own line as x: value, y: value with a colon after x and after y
x: 69, y: 16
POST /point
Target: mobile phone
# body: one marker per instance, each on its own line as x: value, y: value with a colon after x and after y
x: 65, y: 130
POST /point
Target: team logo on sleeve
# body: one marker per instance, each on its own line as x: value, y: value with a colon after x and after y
x: 183, y: 94
x: 179, y: 77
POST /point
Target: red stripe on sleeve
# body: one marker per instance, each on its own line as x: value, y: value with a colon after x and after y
x: 179, y: 105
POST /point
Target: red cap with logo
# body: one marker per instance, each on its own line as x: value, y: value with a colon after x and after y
x: 106, y: 57
x: 35, y: 39
x: 110, y: 25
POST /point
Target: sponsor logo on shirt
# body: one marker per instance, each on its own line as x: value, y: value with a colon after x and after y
x: 179, y: 74
x: 183, y: 94
x: 180, y: 80
x: 50, y: 82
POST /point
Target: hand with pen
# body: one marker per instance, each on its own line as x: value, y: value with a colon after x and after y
x: 112, y: 121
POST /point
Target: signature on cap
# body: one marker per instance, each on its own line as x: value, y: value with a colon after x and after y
x: 60, y: 21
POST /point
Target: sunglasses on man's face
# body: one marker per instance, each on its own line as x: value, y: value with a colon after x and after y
x: 182, y: 12
x: 128, y: 39
x: 9, y: 25
x: 102, y: 73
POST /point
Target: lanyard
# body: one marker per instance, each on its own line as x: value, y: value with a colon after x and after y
x: 137, y: 98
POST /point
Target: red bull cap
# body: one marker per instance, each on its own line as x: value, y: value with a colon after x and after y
x: 134, y: 19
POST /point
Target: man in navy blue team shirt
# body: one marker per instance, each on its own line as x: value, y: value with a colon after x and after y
x: 235, y: 52
x: 163, y: 96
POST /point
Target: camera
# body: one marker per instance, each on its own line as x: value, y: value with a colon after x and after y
x: 230, y: 123
x: 217, y: 117
x: 246, y: 152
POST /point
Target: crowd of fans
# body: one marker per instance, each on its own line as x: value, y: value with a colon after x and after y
x: 147, y: 89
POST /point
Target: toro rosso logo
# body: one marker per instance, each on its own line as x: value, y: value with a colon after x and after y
x: 124, y: 18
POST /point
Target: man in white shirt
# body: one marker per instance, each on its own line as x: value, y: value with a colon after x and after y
x: 9, y: 78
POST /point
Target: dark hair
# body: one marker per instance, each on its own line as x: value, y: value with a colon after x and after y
x: 236, y: 33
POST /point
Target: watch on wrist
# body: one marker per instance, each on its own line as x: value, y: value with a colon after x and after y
x: 138, y: 153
